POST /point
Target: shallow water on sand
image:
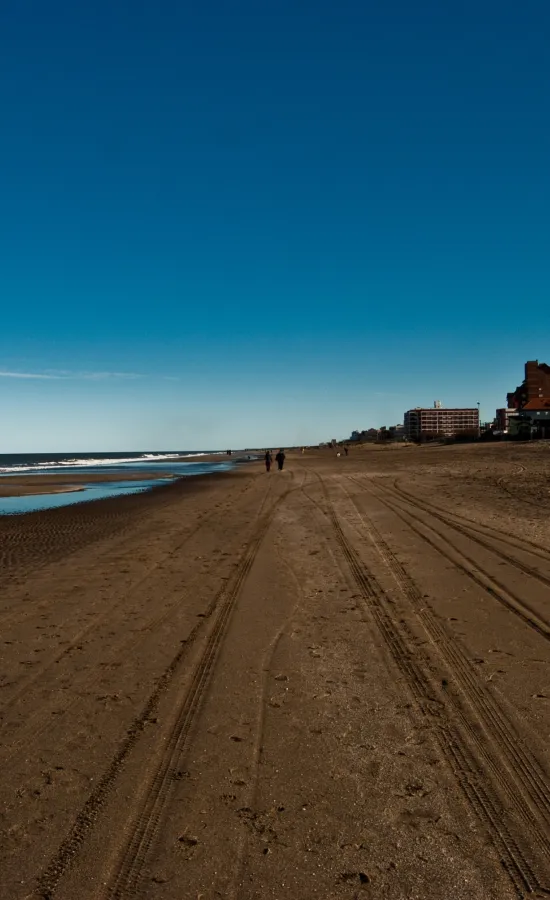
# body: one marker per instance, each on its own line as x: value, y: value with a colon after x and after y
x: 102, y: 490
x: 33, y: 503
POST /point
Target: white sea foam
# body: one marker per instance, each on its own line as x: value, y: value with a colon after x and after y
x: 95, y: 463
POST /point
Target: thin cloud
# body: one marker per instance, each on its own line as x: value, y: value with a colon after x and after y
x: 56, y: 375
x: 27, y: 375
x: 100, y: 376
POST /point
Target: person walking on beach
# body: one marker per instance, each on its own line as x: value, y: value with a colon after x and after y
x: 267, y: 460
x: 280, y: 459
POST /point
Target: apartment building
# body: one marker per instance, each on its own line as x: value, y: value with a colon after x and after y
x: 535, y: 385
x: 446, y: 422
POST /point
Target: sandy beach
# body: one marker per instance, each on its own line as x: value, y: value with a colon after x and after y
x: 327, y: 682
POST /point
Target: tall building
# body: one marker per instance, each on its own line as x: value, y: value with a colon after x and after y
x: 425, y: 422
x: 535, y: 385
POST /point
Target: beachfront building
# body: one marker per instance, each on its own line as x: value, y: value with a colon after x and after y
x: 534, y: 418
x: 424, y: 423
x: 535, y: 386
x: 397, y: 432
x: 370, y: 434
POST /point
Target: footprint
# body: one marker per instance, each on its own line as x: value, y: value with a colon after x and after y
x: 188, y: 844
x: 362, y: 877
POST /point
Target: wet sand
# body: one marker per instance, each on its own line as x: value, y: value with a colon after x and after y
x: 329, y: 682
x: 26, y: 485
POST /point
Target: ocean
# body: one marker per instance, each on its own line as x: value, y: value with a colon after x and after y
x: 12, y: 464
x: 36, y: 463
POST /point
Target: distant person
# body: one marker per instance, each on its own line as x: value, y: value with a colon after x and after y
x: 268, y: 460
x: 280, y: 459
x: 346, y: 451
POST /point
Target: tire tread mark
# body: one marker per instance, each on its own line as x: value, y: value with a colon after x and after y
x: 128, y: 877
x: 144, y: 832
x: 490, y: 531
x: 472, y: 569
x: 86, y: 818
x: 34, y: 727
x: 518, y: 760
x: 467, y: 770
x: 471, y: 534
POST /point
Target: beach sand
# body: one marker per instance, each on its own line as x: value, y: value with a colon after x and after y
x: 330, y: 682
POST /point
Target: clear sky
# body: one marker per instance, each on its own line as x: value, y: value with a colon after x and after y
x: 258, y: 222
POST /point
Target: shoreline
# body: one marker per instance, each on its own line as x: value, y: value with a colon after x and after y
x: 23, y: 491
x: 38, y: 484
x: 38, y: 538
x: 169, y: 489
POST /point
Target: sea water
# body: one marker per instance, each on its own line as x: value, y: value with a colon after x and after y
x: 96, y: 463
x: 44, y: 463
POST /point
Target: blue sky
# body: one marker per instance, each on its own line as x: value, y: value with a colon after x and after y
x: 261, y: 223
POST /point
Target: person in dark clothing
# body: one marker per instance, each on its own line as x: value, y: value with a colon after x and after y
x: 346, y: 451
x: 267, y: 460
x: 280, y: 459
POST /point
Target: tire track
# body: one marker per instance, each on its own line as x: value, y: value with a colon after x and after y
x: 87, y: 816
x: 472, y: 534
x: 234, y: 890
x: 40, y: 722
x: 501, y: 483
x: 489, y: 583
x: 145, y: 826
x: 508, y: 829
x: 495, y: 723
x: 127, y: 879
x: 515, y: 541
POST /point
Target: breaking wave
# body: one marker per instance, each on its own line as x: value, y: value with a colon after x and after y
x: 31, y: 464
